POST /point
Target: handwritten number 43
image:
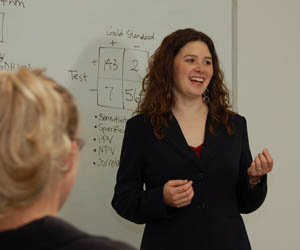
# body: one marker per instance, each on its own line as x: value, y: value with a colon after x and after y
x: 112, y: 65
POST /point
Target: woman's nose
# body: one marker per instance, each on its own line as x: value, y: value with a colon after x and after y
x: 199, y: 68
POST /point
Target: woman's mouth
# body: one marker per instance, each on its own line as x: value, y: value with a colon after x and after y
x: 196, y: 80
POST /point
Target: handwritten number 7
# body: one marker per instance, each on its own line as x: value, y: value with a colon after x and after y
x: 110, y: 92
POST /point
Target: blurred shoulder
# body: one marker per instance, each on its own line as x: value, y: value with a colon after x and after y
x: 237, y: 118
x: 70, y: 237
x: 137, y: 118
x: 238, y: 121
x: 137, y: 121
x: 96, y: 243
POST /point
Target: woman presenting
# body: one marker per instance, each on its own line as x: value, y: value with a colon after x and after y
x: 186, y: 168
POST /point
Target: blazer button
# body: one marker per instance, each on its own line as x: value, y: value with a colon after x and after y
x: 202, y: 205
x: 200, y: 176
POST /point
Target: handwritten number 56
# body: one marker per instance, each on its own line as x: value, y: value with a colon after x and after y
x: 132, y: 95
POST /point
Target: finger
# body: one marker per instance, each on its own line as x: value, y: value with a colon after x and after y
x: 183, y: 188
x: 257, y: 164
x: 185, y: 202
x: 251, y: 169
x: 269, y: 158
x: 183, y: 195
x: 264, y: 164
x: 185, y: 198
x: 253, y: 172
x: 176, y: 183
x: 175, y: 190
x: 182, y: 205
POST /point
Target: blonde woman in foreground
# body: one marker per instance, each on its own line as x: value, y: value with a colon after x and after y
x: 39, y: 151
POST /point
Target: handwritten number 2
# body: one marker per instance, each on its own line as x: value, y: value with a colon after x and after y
x: 136, y: 63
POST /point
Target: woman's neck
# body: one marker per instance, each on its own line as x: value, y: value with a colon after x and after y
x: 16, y: 220
x: 24, y: 215
x: 190, y: 109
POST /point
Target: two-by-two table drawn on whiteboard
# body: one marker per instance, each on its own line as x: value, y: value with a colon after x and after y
x: 119, y: 78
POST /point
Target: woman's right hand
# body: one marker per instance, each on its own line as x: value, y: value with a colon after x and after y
x: 178, y: 193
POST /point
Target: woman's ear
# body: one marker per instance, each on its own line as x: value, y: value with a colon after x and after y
x: 71, y: 159
x: 68, y: 174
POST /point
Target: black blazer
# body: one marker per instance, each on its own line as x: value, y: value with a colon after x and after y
x: 212, y: 221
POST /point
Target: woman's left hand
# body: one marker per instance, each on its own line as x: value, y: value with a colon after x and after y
x: 261, y: 165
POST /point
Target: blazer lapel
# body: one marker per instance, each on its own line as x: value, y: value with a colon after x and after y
x: 212, y: 142
x: 175, y: 138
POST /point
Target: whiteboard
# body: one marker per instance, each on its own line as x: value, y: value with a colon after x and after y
x: 99, y: 50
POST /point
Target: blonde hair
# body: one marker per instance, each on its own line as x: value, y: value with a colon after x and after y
x: 38, y: 121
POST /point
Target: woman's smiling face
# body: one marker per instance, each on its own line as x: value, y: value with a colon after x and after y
x: 193, y: 70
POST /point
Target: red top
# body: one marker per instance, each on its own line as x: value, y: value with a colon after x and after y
x: 197, y: 150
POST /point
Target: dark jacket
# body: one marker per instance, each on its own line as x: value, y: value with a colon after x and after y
x: 52, y: 233
x: 212, y: 221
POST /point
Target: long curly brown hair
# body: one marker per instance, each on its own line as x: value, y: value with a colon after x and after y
x: 158, y: 100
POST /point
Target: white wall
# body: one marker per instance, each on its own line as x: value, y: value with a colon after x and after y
x: 268, y: 95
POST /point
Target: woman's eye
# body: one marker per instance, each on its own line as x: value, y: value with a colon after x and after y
x: 189, y: 60
x: 207, y: 62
